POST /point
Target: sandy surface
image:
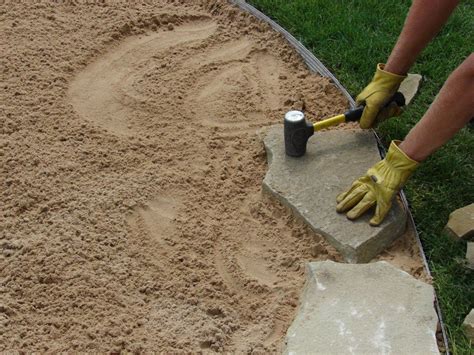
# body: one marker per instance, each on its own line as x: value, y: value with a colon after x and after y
x: 132, y: 216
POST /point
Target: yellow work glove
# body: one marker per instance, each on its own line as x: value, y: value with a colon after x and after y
x: 376, y: 95
x: 378, y: 186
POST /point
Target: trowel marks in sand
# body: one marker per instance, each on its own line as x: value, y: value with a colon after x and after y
x: 97, y: 92
x: 132, y: 214
x: 212, y: 93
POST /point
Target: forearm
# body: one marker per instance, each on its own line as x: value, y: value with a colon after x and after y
x: 424, y: 20
x: 450, y: 111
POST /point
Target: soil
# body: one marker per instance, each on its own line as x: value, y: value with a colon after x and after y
x: 132, y: 217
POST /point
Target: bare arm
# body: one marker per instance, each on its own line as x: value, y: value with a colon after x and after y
x: 450, y: 111
x: 424, y: 20
x: 454, y: 106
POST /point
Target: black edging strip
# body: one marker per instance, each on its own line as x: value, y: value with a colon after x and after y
x: 315, y: 65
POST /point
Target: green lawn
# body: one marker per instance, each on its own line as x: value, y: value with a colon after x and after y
x: 350, y: 37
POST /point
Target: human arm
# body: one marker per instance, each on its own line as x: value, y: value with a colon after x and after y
x: 450, y: 111
x: 424, y: 20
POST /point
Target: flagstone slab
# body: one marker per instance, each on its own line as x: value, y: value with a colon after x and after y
x: 468, y: 325
x: 309, y: 186
x: 363, y: 309
x: 461, y: 223
x: 409, y: 87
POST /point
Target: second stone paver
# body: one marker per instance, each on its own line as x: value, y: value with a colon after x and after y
x: 461, y: 223
x: 309, y: 185
x: 363, y: 309
x: 468, y: 325
x: 409, y: 87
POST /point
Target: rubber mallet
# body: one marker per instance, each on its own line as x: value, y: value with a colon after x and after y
x: 297, y: 130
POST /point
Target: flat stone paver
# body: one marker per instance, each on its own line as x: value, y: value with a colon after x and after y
x: 468, y: 325
x: 309, y: 185
x: 461, y: 223
x: 409, y: 87
x: 363, y: 309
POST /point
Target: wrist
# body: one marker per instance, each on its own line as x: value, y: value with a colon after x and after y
x: 410, y: 151
x: 388, y: 77
x: 396, y: 68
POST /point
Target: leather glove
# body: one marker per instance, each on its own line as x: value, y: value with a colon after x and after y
x: 376, y: 95
x: 378, y: 186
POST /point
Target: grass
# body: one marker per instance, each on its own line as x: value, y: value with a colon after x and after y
x: 350, y: 37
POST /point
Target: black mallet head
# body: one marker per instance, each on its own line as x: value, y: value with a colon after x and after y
x: 297, y: 132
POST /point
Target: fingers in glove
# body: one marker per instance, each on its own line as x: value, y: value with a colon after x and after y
x: 360, y: 100
x: 391, y: 110
x: 368, y: 116
x: 367, y: 202
x: 352, y: 198
x: 343, y: 195
x: 380, y: 213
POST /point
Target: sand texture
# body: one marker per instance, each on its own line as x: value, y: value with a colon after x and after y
x: 131, y: 213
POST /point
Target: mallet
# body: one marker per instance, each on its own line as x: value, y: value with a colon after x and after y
x: 297, y: 130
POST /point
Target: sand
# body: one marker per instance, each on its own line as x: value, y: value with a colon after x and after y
x: 132, y: 217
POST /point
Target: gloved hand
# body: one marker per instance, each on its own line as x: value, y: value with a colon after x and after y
x: 376, y: 95
x: 378, y: 186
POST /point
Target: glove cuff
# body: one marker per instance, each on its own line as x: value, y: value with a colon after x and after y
x: 399, y: 160
x: 387, y: 78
